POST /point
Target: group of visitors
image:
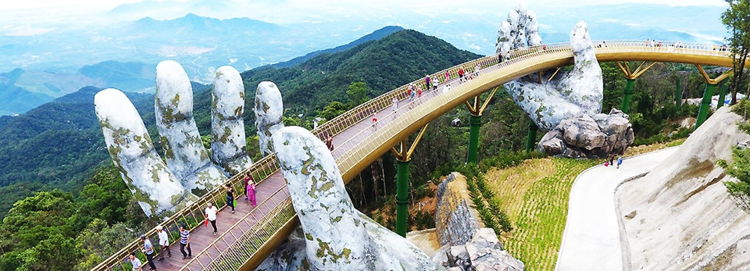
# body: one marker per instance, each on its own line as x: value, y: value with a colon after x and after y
x: 210, y: 215
x: 611, y: 161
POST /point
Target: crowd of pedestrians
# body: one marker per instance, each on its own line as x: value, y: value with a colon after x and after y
x: 210, y: 217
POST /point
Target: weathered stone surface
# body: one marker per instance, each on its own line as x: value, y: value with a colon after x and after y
x: 684, y: 217
x: 157, y: 191
x: 455, y: 216
x: 602, y: 135
x: 268, y: 112
x: 186, y: 157
x: 227, y: 125
x: 465, y: 244
x: 569, y: 94
x: 337, y: 236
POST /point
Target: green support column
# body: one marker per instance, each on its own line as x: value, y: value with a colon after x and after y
x: 722, y: 95
x: 402, y: 197
x: 678, y: 94
x: 627, y: 95
x: 475, y: 123
x: 705, y: 104
x: 531, y: 136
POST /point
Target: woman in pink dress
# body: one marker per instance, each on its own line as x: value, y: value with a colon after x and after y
x: 250, y: 189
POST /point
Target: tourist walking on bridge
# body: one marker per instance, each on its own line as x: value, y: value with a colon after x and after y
x: 163, y: 242
x: 148, y: 249
x: 460, y: 75
x: 427, y: 82
x: 211, y: 215
x: 185, y: 242
x: 230, y: 196
x: 619, y: 161
x: 135, y: 262
x: 329, y: 143
x: 447, y: 76
x: 250, y: 189
x: 394, y: 105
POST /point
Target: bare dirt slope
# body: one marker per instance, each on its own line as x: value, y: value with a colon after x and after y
x: 680, y: 215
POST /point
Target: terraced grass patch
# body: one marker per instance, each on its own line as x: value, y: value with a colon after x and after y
x: 534, y: 195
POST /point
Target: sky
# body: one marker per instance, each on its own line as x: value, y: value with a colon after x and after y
x: 38, y: 14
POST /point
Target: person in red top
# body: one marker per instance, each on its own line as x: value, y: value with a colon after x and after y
x: 374, y: 121
x: 460, y: 74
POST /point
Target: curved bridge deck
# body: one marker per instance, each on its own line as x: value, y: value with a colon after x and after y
x: 250, y: 234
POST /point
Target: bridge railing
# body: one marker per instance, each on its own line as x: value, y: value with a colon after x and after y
x: 192, y: 215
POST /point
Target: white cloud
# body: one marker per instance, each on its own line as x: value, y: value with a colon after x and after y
x: 25, y: 31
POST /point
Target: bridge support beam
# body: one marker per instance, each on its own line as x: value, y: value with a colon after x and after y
x: 630, y: 76
x: 403, y: 157
x: 722, y: 95
x: 531, y: 136
x: 711, y: 83
x: 475, y: 123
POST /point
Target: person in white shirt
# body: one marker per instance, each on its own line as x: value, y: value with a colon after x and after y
x: 135, y: 262
x: 163, y: 242
x: 211, y: 215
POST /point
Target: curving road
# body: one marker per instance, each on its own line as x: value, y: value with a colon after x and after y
x: 591, y: 240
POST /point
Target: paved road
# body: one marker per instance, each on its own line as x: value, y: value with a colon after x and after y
x: 591, y: 240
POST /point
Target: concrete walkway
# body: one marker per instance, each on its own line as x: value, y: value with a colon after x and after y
x: 591, y: 240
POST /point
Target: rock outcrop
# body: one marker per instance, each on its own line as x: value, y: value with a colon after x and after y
x: 599, y: 136
x: 680, y: 216
x: 227, y: 125
x: 465, y: 243
x: 155, y: 188
x: 186, y: 157
x: 336, y: 236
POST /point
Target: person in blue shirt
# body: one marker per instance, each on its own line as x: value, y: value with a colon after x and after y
x: 619, y: 161
x: 148, y: 249
x: 185, y: 243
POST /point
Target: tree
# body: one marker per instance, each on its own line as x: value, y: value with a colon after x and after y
x: 737, y: 20
x: 357, y: 93
x: 332, y: 110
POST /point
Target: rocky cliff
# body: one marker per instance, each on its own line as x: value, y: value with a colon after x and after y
x: 680, y: 215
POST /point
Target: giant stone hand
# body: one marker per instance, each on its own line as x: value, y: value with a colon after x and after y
x: 189, y: 170
x: 335, y: 236
x: 569, y: 94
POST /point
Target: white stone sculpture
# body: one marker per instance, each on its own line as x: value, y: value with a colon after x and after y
x: 268, y: 109
x: 162, y: 188
x: 336, y: 236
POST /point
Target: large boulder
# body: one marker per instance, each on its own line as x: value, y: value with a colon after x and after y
x: 600, y: 136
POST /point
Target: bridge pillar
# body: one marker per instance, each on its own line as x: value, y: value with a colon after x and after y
x: 627, y: 95
x: 475, y: 123
x: 531, y: 136
x: 678, y: 93
x: 630, y: 76
x: 403, y: 157
x: 722, y: 95
x: 711, y: 83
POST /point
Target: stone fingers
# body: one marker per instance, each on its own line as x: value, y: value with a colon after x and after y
x: 268, y: 110
x: 335, y: 235
x: 227, y: 125
x: 583, y: 85
x: 186, y: 157
x: 129, y: 144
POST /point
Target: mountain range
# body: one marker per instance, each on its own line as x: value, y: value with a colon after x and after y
x: 58, y: 144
